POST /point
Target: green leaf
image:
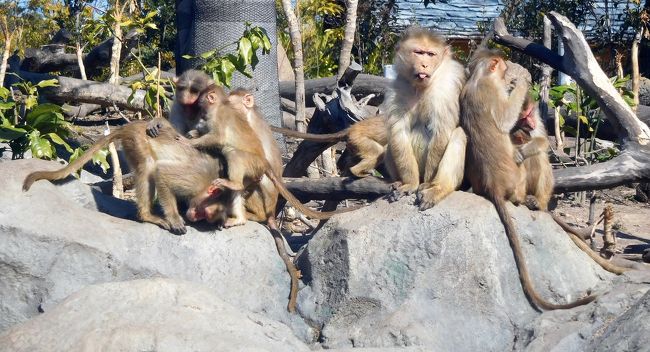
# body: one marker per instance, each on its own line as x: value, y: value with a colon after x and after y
x: 245, y: 50
x: 228, y: 68
x: 9, y: 133
x: 4, y: 93
x: 188, y: 57
x: 151, y: 25
x: 58, y: 140
x: 30, y: 102
x: 40, y: 147
x: 207, y: 54
x: 7, y: 105
x: 48, y: 83
x: 150, y: 14
x: 99, y: 158
x: 584, y: 119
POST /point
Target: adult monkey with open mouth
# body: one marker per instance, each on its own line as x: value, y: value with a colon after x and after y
x: 426, y: 146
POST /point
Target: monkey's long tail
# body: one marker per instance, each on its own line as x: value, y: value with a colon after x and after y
x: 525, y: 279
x: 576, y: 237
x: 73, y: 166
x: 329, y: 137
x: 296, y: 203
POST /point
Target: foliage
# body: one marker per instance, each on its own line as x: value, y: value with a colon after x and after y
x: 222, y: 67
x: 155, y: 93
x: 27, y: 125
x: 322, y: 27
x: 576, y: 102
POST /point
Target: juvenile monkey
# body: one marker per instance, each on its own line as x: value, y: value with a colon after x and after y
x: 231, y: 134
x: 184, y: 114
x: 531, y: 142
x: 366, y: 139
x: 489, y: 113
x: 426, y: 147
x: 173, y: 169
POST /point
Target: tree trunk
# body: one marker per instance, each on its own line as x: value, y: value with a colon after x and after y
x: 116, y: 49
x: 298, y: 65
x: 635, y: 67
x: 7, y: 36
x: 348, y: 38
x: 80, y: 59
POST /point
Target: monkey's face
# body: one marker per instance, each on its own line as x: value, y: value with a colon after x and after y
x: 418, y: 59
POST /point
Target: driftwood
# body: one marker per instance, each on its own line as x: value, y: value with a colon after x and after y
x: 80, y: 91
x: 52, y: 58
x: 363, y: 85
x: 334, y: 112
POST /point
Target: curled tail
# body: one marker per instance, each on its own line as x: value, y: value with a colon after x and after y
x: 329, y: 137
x: 321, y: 215
x: 526, y: 282
x: 73, y: 166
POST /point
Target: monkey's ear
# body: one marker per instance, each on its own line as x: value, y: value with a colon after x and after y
x: 211, y: 97
x: 213, y: 191
x: 248, y: 100
x: 494, y: 63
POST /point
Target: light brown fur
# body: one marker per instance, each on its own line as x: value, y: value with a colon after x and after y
x: 231, y: 133
x: 162, y: 164
x: 488, y: 114
x: 426, y: 146
x: 184, y: 115
x: 366, y: 139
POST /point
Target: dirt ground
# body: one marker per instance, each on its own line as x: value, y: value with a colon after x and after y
x: 631, y: 218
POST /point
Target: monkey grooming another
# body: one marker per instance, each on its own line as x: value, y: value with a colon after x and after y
x: 184, y: 114
x: 231, y: 133
x: 488, y: 115
x: 162, y: 164
x: 426, y: 145
x: 366, y: 140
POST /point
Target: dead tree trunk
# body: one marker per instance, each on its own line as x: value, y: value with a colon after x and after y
x: 298, y: 65
x: 348, y: 38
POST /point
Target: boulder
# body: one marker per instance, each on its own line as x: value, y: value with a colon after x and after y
x: 149, y: 315
x: 446, y: 279
x: 57, y: 239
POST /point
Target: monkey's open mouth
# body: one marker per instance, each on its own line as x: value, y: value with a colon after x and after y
x: 422, y: 75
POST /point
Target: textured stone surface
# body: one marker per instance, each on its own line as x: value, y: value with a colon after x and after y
x: 149, y: 315
x: 444, y: 278
x: 53, y: 242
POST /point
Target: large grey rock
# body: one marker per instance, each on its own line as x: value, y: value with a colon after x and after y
x: 388, y: 275
x: 149, y: 315
x: 644, y: 91
x: 53, y: 242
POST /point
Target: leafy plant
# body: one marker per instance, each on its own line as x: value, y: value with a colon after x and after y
x: 222, y: 67
x: 28, y: 125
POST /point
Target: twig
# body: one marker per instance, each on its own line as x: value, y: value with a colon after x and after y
x: 118, y: 185
x: 609, y: 239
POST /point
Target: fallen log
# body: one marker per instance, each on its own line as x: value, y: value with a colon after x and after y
x: 47, y: 60
x: 364, y: 85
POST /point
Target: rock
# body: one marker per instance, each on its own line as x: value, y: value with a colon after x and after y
x: 629, y: 332
x: 444, y: 278
x: 149, y: 315
x: 57, y: 239
x: 644, y: 91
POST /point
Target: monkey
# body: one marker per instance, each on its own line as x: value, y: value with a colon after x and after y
x: 531, y: 148
x: 183, y: 115
x: 425, y: 152
x: 529, y: 136
x: 366, y: 139
x: 232, y: 134
x: 488, y: 114
x: 173, y: 169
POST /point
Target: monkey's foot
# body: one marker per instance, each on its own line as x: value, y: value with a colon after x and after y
x: 223, y: 183
x: 427, y: 197
x: 177, y: 226
x: 399, y: 190
x: 532, y: 203
x: 232, y: 222
x: 360, y: 172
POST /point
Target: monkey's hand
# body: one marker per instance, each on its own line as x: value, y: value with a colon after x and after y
x: 183, y: 140
x: 153, y: 128
x: 192, y: 134
x: 518, y: 155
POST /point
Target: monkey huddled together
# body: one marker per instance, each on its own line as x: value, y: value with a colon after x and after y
x: 440, y: 124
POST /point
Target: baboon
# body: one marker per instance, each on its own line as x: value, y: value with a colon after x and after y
x: 489, y: 113
x: 426, y: 146
x: 162, y: 164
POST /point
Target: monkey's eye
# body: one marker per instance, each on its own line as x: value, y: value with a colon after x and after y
x: 431, y: 53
